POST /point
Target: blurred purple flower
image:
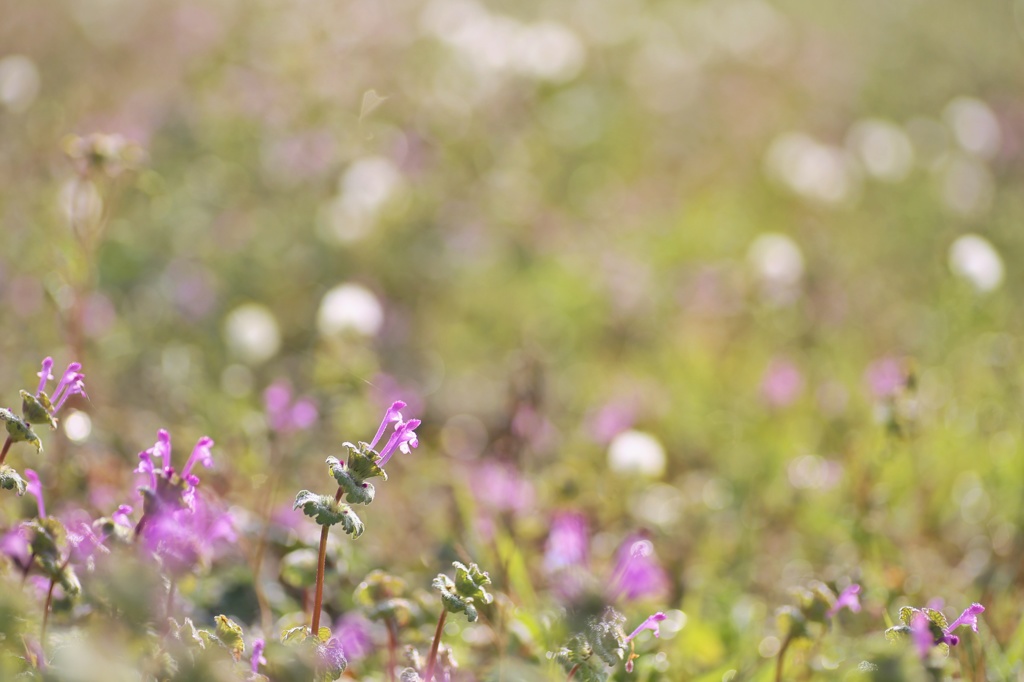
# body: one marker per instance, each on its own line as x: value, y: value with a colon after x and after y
x: 331, y: 654
x: 157, y: 460
x: 353, y: 633
x: 14, y: 545
x: 285, y: 416
x: 885, y: 377
x: 257, y: 658
x: 184, y: 538
x: 568, y: 542
x: 782, y: 383
x: 500, y: 487
x: 924, y: 637
x: 83, y: 542
x: 121, y: 516
x: 847, y: 599
x: 610, y: 421
x: 637, y: 573
x: 36, y: 490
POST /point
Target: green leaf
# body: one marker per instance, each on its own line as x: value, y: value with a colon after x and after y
x: 11, y: 480
x: 459, y: 596
x: 18, y: 430
x: 230, y: 634
x: 906, y: 615
x: 37, y: 410
x: 362, y: 462
x: 469, y: 581
x: 356, y: 490
x: 188, y: 632
x: 295, y: 635
x: 897, y: 633
x: 936, y: 617
x: 326, y: 511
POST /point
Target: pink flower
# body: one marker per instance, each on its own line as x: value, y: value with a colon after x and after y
x: 72, y: 382
x: 35, y: 489
x: 284, y: 415
x: 782, y: 383
x: 885, y: 377
x: 637, y: 573
x: 651, y: 623
x: 847, y: 599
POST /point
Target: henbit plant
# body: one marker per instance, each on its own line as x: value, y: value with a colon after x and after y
x: 352, y: 477
x: 606, y: 638
x: 459, y: 596
x: 816, y: 603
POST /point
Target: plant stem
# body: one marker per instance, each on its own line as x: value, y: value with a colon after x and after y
x: 321, y: 565
x: 169, y: 608
x: 392, y: 648
x: 432, y: 659
x: 780, y: 663
x: 572, y: 673
x: 7, y: 446
x: 46, y: 612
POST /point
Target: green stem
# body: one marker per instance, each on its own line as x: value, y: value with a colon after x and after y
x: 432, y: 660
x: 321, y: 565
x: 780, y: 663
x: 392, y: 648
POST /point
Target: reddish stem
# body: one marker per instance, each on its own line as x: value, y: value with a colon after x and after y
x: 432, y: 660
x: 392, y: 649
x: 46, y: 612
x: 572, y: 673
x: 7, y: 446
x: 321, y: 565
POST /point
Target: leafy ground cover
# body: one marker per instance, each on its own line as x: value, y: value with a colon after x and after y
x: 511, y: 341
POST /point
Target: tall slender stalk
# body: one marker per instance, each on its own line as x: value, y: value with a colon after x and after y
x: 46, y: 613
x: 321, y: 565
x: 432, y: 659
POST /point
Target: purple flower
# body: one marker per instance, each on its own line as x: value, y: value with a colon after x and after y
x: 257, y: 658
x: 610, y: 421
x: 157, y: 459
x: 651, y: 623
x: 885, y: 376
x: 393, y: 414
x: 83, y: 541
x: 185, y: 537
x: 44, y: 376
x: 969, y: 618
x: 567, y: 545
x: 36, y: 490
x: 782, y: 383
x: 637, y: 573
x: 283, y: 415
x: 353, y: 633
x: 121, y: 516
x: 403, y: 438
x: 14, y: 544
x: 500, y: 487
x: 924, y: 637
x: 72, y: 382
x: 847, y: 599
x: 331, y: 654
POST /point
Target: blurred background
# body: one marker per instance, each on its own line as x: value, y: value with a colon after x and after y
x: 733, y: 275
